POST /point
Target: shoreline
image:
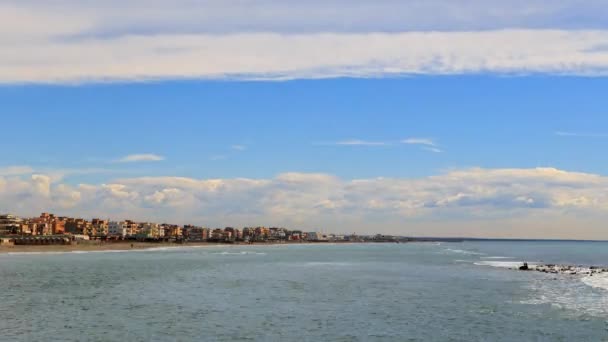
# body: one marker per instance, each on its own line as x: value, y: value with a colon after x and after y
x: 139, y: 246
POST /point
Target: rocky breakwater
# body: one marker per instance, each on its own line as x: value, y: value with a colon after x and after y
x: 564, y: 269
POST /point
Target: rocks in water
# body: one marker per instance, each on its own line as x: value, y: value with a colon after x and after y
x: 563, y: 269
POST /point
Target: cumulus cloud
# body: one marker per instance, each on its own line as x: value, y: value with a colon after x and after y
x: 15, y: 170
x: 524, y: 202
x: 133, y: 158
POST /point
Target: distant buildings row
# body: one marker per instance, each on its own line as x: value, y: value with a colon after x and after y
x: 52, y: 225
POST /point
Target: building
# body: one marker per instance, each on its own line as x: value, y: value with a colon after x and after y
x: 77, y: 226
x: 217, y: 235
x: 194, y: 233
x: 7, y: 242
x: 151, y: 231
x: 315, y: 236
x: 99, y: 228
x: 261, y: 233
x: 248, y: 233
x: 40, y: 226
x: 118, y: 229
x: 296, y: 235
x: 334, y: 237
x: 277, y: 234
x: 10, y: 224
x: 132, y: 228
x: 58, y: 226
x: 233, y: 233
x: 173, y: 231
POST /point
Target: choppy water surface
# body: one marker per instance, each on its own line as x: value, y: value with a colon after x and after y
x: 365, y: 292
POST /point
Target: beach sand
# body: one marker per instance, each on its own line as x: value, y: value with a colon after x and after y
x: 120, y: 245
x: 96, y: 246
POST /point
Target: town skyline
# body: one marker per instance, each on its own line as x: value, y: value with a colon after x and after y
x: 57, y: 229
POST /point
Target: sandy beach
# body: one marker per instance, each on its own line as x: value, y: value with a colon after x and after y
x: 122, y: 245
x: 92, y: 246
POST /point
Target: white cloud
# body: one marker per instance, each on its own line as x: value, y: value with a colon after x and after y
x: 73, y: 41
x: 419, y: 141
x: 358, y: 142
x: 542, y: 202
x: 239, y: 147
x: 426, y: 143
x: 433, y: 149
x: 275, y: 56
x: 140, y: 158
x: 15, y: 170
x: 581, y: 134
x: 123, y: 17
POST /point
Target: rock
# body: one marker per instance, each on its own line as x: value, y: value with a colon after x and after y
x: 524, y: 267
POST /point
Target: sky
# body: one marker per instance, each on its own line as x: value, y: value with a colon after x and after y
x: 426, y: 118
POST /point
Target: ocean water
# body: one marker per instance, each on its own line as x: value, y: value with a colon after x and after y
x: 356, y: 292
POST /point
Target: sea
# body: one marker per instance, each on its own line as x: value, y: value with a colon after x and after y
x: 311, y: 292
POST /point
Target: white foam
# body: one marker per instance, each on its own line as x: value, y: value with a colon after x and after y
x: 316, y: 264
x: 496, y: 257
x: 462, y: 261
x: 599, y: 281
x: 239, y: 253
x: 569, y: 294
x: 462, y: 251
x: 501, y: 264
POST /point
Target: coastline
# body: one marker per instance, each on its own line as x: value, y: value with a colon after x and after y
x: 136, y: 246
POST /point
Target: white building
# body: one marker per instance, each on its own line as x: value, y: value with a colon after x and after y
x: 118, y: 229
x: 9, y: 223
x: 315, y: 236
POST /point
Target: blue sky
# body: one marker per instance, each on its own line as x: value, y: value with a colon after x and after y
x: 215, y: 129
x: 435, y: 117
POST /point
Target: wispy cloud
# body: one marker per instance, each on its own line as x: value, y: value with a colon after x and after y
x: 581, y: 134
x: 239, y: 147
x: 433, y: 149
x: 146, y: 157
x: 278, y: 56
x: 218, y: 157
x: 427, y: 144
x: 72, y: 41
x: 357, y: 142
x: 419, y: 141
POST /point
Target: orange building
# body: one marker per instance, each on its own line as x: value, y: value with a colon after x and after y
x: 58, y: 226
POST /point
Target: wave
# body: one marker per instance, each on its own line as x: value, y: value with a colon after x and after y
x: 239, y: 253
x: 316, y: 264
x: 462, y: 251
x: 598, y: 281
x: 496, y: 257
x: 501, y: 264
x: 578, y: 297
